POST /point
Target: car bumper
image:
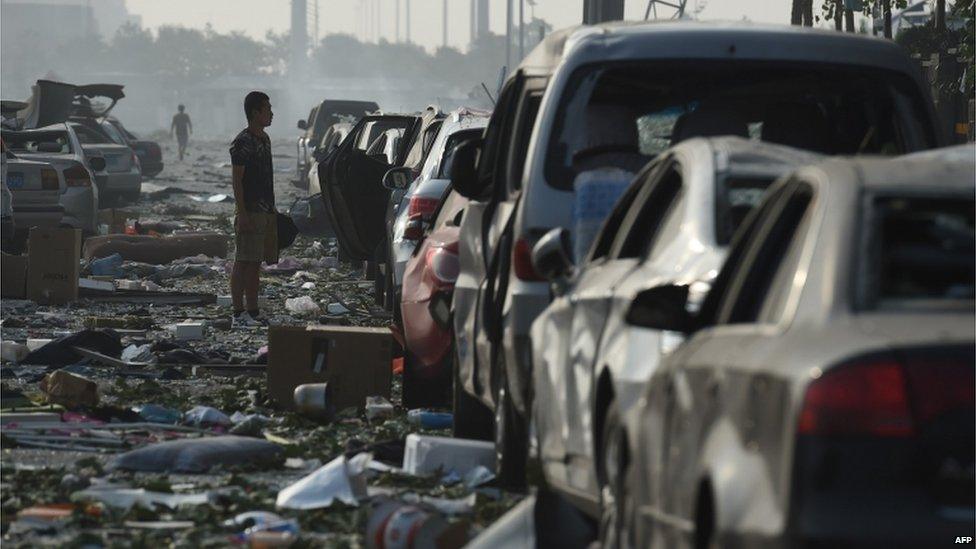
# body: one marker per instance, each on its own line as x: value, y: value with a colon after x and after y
x: 150, y: 168
x: 127, y: 182
x: 525, y: 303
x: 38, y: 216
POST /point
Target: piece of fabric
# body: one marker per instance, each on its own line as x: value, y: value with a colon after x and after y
x: 254, y: 154
x: 59, y: 352
x: 259, y: 242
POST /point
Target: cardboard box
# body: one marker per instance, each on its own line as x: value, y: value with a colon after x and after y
x: 52, y: 274
x: 354, y: 361
x: 13, y: 276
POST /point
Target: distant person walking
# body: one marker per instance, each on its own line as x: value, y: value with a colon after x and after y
x: 182, y: 128
x: 256, y: 224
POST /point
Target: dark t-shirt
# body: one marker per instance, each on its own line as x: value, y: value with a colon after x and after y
x: 254, y: 153
x: 181, y: 122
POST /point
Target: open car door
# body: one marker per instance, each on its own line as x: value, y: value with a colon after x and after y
x: 352, y: 185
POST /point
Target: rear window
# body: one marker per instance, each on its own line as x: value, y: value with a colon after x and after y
x: 622, y: 115
x: 737, y: 196
x: 27, y: 142
x: 923, y: 250
x: 88, y: 136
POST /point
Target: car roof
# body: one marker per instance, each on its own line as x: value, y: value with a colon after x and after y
x: 744, y: 153
x: 908, y: 174
x: 623, y: 40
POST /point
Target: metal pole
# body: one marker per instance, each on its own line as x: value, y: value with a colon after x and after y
x: 397, y: 21
x: 521, y: 30
x: 408, y: 21
x: 444, y: 33
x: 508, y: 33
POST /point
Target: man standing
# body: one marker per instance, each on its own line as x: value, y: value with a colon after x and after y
x: 182, y: 128
x: 255, y: 225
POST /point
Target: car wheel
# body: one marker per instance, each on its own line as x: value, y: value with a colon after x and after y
x: 472, y: 419
x: 424, y: 392
x: 511, y: 439
x: 612, y: 477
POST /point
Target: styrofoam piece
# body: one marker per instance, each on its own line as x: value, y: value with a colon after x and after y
x: 12, y: 351
x: 92, y: 284
x: 189, y: 330
x: 426, y: 454
x: 36, y: 343
x: 129, y: 284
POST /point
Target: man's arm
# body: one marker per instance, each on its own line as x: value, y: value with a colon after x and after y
x: 172, y: 127
x: 189, y: 123
x: 237, y: 178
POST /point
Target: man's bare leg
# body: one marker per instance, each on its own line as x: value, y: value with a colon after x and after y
x: 252, y: 284
x: 238, y: 283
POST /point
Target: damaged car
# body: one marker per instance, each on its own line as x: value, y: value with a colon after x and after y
x: 33, y: 189
x: 623, y: 93
x: 672, y: 225
x: 320, y: 119
x: 828, y: 374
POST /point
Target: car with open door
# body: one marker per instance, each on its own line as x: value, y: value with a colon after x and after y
x: 421, y: 196
x: 824, y: 393
x: 323, y: 116
x: 672, y: 225
x: 625, y: 92
x: 352, y: 187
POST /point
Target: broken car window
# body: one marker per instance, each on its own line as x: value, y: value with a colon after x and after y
x: 624, y: 114
x: 26, y: 142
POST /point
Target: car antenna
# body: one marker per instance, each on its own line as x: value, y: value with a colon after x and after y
x: 488, y: 93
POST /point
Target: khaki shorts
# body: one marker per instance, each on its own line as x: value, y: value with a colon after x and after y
x: 261, y: 242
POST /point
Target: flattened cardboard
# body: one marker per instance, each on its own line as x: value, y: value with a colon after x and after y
x: 354, y: 361
x: 52, y: 273
x: 13, y: 276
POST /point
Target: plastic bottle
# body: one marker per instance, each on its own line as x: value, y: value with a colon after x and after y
x: 314, y: 400
x: 430, y: 420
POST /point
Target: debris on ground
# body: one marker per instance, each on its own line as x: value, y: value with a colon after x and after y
x: 116, y: 431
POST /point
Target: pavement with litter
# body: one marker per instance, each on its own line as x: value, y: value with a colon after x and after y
x: 62, y: 482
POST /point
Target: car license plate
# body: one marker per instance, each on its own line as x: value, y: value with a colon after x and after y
x: 15, y: 180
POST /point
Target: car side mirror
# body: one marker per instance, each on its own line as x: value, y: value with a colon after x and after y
x: 48, y: 147
x: 397, y: 179
x: 464, y: 169
x: 552, y: 255
x: 96, y: 163
x: 302, y: 125
x: 662, y: 308
x: 414, y: 230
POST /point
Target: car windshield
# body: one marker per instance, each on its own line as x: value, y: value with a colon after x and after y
x: 737, y: 197
x: 444, y: 170
x: 924, y: 250
x: 625, y: 114
x: 27, y: 142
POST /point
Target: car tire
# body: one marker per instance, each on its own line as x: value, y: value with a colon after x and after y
x: 420, y: 392
x: 612, y: 478
x: 472, y: 419
x: 511, y: 438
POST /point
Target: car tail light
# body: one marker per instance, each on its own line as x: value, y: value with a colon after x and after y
x: 77, y: 176
x: 522, y: 261
x: 422, y: 205
x: 884, y: 397
x: 49, y: 179
x: 444, y: 263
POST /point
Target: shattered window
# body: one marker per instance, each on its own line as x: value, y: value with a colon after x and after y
x: 623, y: 115
x: 87, y: 136
x: 924, y: 249
x: 27, y: 142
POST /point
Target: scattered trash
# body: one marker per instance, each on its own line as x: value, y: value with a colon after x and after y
x: 188, y: 330
x: 314, y: 400
x: 61, y: 351
x: 250, y: 426
x: 125, y: 498
x: 430, y: 420
x: 93, y: 285
x: 12, y: 351
x: 428, y: 454
x: 261, y: 522
x: 377, y: 407
x: 156, y: 250
x: 205, y: 415
x: 138, y: 353
x: 213, y: 199
x: 302, y: 305
x: 394, y: 525
x: 198, y: 455
x: 157, y: 414
x: 336, y: 309
x: 477, y: 476
x: 340, y: 479
x: 308, y: 286
x: 159, y: 524
x: 107, y: 266
x: 69, y: 390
